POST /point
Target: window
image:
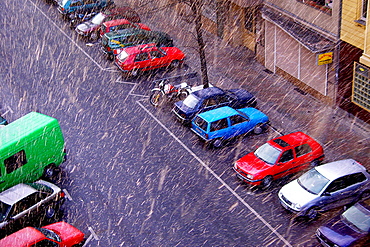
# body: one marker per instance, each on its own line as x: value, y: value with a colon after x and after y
x: 286, y: 156
x: 336, y: 185
x: 364, y: 10
x: 209, y: 102
x: 322, y: 5
x: 156, y: 54
x: 15, y: 161
x: 141, y: 57
x: 361, y: 86
x: 220, y: 124
x: 236, y: 119
x: 223, y: 99
x: 201, y: 123
x: 302, y: 150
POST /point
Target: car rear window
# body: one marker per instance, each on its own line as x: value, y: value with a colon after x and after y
x: 201, y: 123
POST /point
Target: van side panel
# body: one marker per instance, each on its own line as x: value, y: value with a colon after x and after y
x: 27, y: 146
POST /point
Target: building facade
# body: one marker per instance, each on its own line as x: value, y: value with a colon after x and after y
x: 354, y: 66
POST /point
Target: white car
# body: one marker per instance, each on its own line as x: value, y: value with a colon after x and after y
x: 325, y: 187
x: 23, y: 202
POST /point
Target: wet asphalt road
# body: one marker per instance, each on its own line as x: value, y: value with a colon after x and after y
x: 134, y: 176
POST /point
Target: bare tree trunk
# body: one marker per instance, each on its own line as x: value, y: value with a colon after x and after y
x: 196, y: 7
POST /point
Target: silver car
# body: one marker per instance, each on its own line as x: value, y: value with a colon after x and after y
x: 24, y: 202
x: 325, y: 187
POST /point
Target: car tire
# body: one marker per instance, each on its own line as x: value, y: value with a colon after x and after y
x: 259, y: 128
x: 175, y: 63
x: 217, y: 143
x: 94, y: 36
x: 266, y: 182
x: 49, y: 212
x: 365, y: 195
x: 311, y: 213
x: 315, y: 163
x: 134, y: 72
x: 50, y: 171
x: 183, y: 94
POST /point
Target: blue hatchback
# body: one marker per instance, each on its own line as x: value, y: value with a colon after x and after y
x: 218, y: 125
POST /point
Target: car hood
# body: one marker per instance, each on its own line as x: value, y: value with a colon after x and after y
x: 251, y: 164
x: 68, y: 233
x: 87, y: 26
x: 296, y: 194
x: 338, y: 232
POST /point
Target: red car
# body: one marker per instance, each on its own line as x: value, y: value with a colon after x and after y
x: 114, y: 25
x: 57, y: 234
x: 145, y: 57
x: 279, y: 157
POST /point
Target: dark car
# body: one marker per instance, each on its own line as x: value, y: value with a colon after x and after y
x: 210, y: 98
x: 132, y: 37
x: 351, y: 228
x: 3, y: 121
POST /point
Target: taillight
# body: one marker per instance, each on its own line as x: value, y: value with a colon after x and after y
x: 62, y: 194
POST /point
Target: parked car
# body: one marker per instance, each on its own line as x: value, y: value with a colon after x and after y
x: 3, y: 121
x: 220, y: 124
x: 351, y: 228
x: 133, y: 60
x: 131, y: 37
x: 23, y: 202
x: 57, y: 234
x: 91, y: 28
x: 115, y: 25
x: 210, y: 98
x: 68, y: 7
x: 325, y: 187
x: 278, y: 158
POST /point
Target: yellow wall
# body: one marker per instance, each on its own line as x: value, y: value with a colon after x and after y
x: 352, y: 32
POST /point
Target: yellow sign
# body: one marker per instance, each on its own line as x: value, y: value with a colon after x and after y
x: 324, y: 58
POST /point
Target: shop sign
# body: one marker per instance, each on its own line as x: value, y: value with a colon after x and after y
x: 325, y: 58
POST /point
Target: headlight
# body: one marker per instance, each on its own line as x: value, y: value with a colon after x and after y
x: 249, y: 176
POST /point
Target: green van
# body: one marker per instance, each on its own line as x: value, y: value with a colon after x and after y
x: 30, y: 147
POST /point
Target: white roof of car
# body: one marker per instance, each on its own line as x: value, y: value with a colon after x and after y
x: 16, y: 193
x: 340, y: 168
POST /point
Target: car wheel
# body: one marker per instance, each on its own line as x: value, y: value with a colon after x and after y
x: 365, y: 195
x: 94, y: 36
x: 266, y: 182
x: 217, y: 143
x: 175, y: 63
x: 311, y: 213
x: 134, y: 72
x: 315, y: 163
x: 49, y: 171
x: 258, y: 129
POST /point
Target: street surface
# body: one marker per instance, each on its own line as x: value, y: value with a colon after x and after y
x: 134, y: 176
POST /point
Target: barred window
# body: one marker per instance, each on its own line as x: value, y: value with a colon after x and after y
x: 361, y: 86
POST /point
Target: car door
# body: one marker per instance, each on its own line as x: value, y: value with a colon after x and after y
x: 303, y: 157
x: 342, y: 191
x: 208, y: 104
x: 141, y: 61
x: 284, y: 164
x: 158, y: 59
x: 219, y: 129
x: 239, y: 124
x: 224, y: 100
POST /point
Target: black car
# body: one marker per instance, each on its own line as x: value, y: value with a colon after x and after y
x: 351, y: 228
x: 210, y: 98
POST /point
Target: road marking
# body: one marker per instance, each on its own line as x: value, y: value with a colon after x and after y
x: 93, y: 235
x: 67, y: 195
x: 217, y: 177
x: 68, y: 37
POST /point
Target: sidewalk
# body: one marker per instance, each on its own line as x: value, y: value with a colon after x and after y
x: 289, y: 109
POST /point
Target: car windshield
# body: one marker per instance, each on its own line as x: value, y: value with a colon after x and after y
x: 49, y: 234
x: 4, y: 209
x: 201, y: 123
x: 191, y: 101
x: 122, y: 55
x: 313, y: 181
x: 268, y: 153
x: 357, y: 216
x: 98, y: 19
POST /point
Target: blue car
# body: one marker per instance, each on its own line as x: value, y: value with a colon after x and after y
x: 67, y: 7
x: 210, y: 98
x: 351, y: 228
x: 220, y: 124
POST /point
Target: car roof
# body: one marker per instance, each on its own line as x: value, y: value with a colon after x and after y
x: 208, y: 92
x: 218, y: 113
x: 22, y: 238
x: 340, y: 168
x: 16, y: 193
x: 116, y: 22
x: 291, y: 139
